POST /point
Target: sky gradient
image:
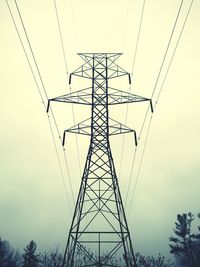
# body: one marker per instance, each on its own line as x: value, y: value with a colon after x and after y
x: 33, y: 203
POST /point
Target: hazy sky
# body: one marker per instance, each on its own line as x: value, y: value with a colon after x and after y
x: 33, y: 202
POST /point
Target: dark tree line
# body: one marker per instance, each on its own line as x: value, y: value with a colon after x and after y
x: 53, y: 258
x: 29, y: 258
x: 185, y: 245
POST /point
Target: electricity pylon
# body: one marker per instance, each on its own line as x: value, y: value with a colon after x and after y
x: 99, y: 234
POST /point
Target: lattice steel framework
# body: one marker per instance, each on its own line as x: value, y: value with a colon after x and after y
x: 99, y: 234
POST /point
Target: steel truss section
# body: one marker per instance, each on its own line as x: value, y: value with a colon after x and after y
x: 99, y: 233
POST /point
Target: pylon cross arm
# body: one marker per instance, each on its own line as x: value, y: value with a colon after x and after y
x: 115, y: 128
x: 115, y: 97
x: 110, y: 71
x: 83, y: 97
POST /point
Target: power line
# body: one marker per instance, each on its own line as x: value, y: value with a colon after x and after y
x: 73, y: 113
x: 125, y: 24
x: 173, y: 54
x: 66, y: 68
x: 123, y: 141
x: 160, y: 70
x: 167, y: 48
x: 65, y: 157
x: 140, y: 165
x: 38, y: 70
x: 76, y: 138
x: 32, y: 53
x: 133, y: 66
x: 27, y: 38
x: 143, y: 124
x: 129, y: 181
x: 67, y: 72
x: 25, y: 53
x: 73, y: 24
x: 161, y: 88
x: 44, y: 89
x: 59, y: 162
x: 61, y: 38
x: 37, y: 85
x: 134, y: 156
x: 138, y: 37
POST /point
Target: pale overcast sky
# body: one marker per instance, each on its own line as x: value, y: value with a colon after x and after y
x: 33, y: 203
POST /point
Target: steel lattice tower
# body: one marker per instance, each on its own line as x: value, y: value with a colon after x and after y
x: 99, y: 233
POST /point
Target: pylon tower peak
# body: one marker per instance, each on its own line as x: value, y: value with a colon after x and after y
x: 99, y: 233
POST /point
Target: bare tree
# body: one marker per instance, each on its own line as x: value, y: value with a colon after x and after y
x: 150, y: 261
x: 52, y: 258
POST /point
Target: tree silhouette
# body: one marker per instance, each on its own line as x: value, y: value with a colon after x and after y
x: 6, y: 254
x: 196, y: 246
x: 30, y: 258
x: 185, y: 246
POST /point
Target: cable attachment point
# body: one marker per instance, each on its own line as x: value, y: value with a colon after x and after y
x: 70, y: 78
x: 151, y: 106
x: 63, y: 141
x: 48, y: 105
x: 135, y: 137
x: 129, y: 76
